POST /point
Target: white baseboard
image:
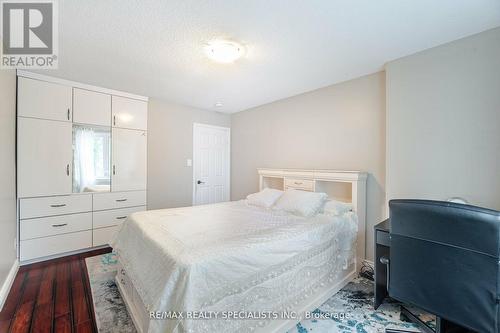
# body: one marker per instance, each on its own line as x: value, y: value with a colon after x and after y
x: 4, y: 292
x: 60, y: 255
x: 369, y: 263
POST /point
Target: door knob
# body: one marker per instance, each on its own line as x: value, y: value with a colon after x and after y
x: 200, y: 182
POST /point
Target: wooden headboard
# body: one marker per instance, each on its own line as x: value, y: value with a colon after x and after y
x: 346, y: 186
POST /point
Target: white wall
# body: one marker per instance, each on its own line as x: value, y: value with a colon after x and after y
x: 338, y: 127
x: 8, y: 229
x: 443, y: 122
x: 170, y: 144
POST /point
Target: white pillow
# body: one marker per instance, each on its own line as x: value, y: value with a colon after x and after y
x: 265, y: 198
x: 301, y: 202
x: 335, y: 207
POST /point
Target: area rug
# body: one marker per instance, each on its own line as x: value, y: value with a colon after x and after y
x: 111, y: 313
x: 350, y: 310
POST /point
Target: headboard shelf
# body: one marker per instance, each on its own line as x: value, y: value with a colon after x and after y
x: 346, y: 186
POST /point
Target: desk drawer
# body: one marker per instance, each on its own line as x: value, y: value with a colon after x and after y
x: 47, y: 246
x: 299, y: 184
x: 54, y: 225
x: 57, y: 205
x: 383, y: 238
x: 113, y: 200
x: 107, y: 218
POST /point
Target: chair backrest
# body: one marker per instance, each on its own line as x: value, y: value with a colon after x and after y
x: 445, y: 259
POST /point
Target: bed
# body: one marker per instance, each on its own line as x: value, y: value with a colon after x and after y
x: 232, y: 267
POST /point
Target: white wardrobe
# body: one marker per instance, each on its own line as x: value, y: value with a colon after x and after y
x: 81, y: 164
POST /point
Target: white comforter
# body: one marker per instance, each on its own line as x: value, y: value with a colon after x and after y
x: 227, y: 257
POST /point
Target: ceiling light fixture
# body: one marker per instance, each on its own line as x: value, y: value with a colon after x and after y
x: 218, y: 104
x: 224, y: 51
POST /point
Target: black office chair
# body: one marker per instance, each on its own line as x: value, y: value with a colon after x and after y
x: 445, y: 260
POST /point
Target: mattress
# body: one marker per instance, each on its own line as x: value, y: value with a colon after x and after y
x: 230, y: 258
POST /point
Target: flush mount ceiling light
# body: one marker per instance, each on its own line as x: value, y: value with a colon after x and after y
x: 218, y: 104
x: 224, y: 51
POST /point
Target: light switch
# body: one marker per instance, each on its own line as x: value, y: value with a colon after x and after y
x: 189, y: 162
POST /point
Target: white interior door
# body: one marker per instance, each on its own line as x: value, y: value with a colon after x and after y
x: 211, y: 164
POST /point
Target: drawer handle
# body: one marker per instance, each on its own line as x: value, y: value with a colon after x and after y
x: 121, y: 217
x: 57, y: 206
x: 121, y: 200
x: 297, y: 183
x: 59, y: 225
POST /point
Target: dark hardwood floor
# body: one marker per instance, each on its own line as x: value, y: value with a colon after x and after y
x: 51, y: 296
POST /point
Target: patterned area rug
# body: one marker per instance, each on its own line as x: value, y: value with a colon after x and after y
x: 110, y: 311
x: 350, y: 310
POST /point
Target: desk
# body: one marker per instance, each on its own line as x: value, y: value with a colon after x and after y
x: 382, y: 249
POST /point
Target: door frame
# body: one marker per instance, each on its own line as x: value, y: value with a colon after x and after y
x: 228, y: 164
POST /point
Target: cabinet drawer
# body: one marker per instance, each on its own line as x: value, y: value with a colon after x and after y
x: 47, y: 246
x: 103, y: 201
x: 383, y: 238
x: 58, y: 205
x: 299, y: 184
x: 55, y: 225
x: 107, y: 218
x: 103, y: 236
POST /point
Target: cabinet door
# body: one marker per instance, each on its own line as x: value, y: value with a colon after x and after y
x: 130, y: 113
x: 44, y: 100
x: 129, y: 160
x: 103, y: 236
x: 44, y: 157
x: 90, y: 107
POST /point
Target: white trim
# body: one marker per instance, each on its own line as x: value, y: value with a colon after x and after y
x: 332, y: 175
x: 74, y: 84
x: 63, y: 254
x: 7, y: 284
x: 228, y: 180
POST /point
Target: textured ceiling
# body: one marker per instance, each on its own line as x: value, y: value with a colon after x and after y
x: 155, y: 47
